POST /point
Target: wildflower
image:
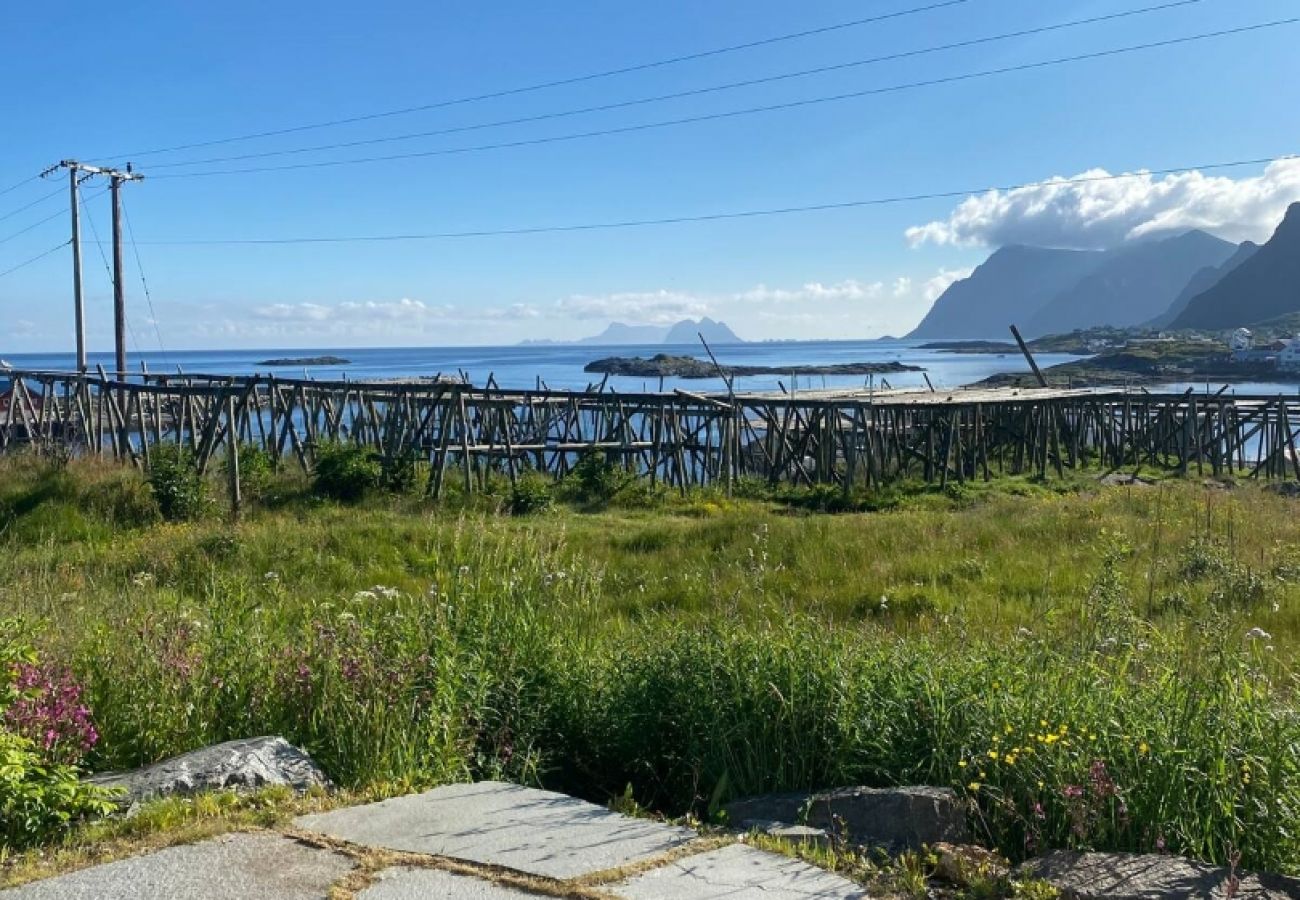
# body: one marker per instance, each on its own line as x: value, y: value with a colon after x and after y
x: 961, y: 764
x: 271, y: 577
x: 463, y: 571
x: 1144, y: 748
x: 974, y: 785
x: 142, y: 579
x: 1258, y: 634
x: 1024, y: 632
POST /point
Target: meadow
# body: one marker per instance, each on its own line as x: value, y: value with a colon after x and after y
x: 1102, y: 667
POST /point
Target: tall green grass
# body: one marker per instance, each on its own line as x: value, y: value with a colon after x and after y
x: 1076, y: 665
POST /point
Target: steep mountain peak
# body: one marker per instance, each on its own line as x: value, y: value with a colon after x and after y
x: 1263, y: 287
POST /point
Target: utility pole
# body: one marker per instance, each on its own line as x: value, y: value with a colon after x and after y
x: 78, y: 302
x: 75, y: 179
x: 119, y: 285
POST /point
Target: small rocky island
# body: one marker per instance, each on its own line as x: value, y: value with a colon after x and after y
x: 307, y: 361
x: 664, y: 365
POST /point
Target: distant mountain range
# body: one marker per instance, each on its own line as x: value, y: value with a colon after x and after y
x: 1192, y: 280
x: 686, y: 331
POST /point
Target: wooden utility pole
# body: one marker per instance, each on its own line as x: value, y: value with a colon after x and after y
x: 116, y: 177
x: 119, y: 284
x: 79, y: 308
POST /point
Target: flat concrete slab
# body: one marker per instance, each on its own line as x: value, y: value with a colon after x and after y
x: 258, y: 866
x: 531, y: 831
x: 404, y: 883
x: 738, y: 871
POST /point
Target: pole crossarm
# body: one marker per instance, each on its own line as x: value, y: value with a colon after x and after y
x: 78, y: 174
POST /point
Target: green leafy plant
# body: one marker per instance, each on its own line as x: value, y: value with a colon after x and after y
x: 39, y: 796
x: 531, y: 494
x: 176, y: 484
x: 345, y: 471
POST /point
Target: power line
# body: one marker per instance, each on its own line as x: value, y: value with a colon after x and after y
x: 577, y: 79
x: 36, y: 224
x: 730, y: 114
x: 23, y: 183
x: 139, y: 265
x: 713, y: 217
x: 695, y: 92
x: 36, y: 202
x: 35, y: 258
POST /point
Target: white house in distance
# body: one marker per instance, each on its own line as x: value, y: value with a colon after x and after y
x: 1240, y: 339
x: 1289, y: 358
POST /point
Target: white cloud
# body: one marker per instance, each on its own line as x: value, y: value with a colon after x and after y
x: 849, y: 289
x: 814, y: 309
x: 935, y: 286
x: 631, y: 308
x: 1103, y: 212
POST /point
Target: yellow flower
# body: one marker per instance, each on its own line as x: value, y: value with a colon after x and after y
x: 974, y: 785
x: 1144, y: 748
x: 993, y: 754
x: 1007, y: 728
x: 961, y: 764
x: 1009, y: 759
x: 1042, y: 723
x: 1041, y: 785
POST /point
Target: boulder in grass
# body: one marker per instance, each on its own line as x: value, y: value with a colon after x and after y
x: 894, y: 818
x: 1133, y: 876
x: 243, y: 765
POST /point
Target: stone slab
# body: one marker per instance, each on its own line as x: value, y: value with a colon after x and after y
x: 738, y: 871
x: 1133, y: 876
x: 537, y: 832
x: 405, y: 883
x: 257, y: 866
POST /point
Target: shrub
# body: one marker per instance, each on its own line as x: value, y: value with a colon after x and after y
x: 531, y: 494
x: 39, y: 794
x: 256, y: 470
x: 345, y: 471
x: 596, y: 479
x: 397, y: 474
x: 175, y: 481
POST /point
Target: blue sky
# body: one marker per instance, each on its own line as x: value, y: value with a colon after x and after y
x: 83, y: 83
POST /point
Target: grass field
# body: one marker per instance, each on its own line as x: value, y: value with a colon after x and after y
x: 1092, y: 667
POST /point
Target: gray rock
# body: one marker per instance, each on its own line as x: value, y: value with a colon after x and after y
x: 404, y: 883
x: 738, y: 871
x: 537, y: 832
x: 258, y: 866
x: 1284, y: 488
x: 1123, y: 479
x: 245, y: 764
x: 1131, y: 876
x: 894, y: 818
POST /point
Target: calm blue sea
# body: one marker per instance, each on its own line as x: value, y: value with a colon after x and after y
x: 560, y: 367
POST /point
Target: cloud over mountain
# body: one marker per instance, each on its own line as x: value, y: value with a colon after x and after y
x: 1092, y: 211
